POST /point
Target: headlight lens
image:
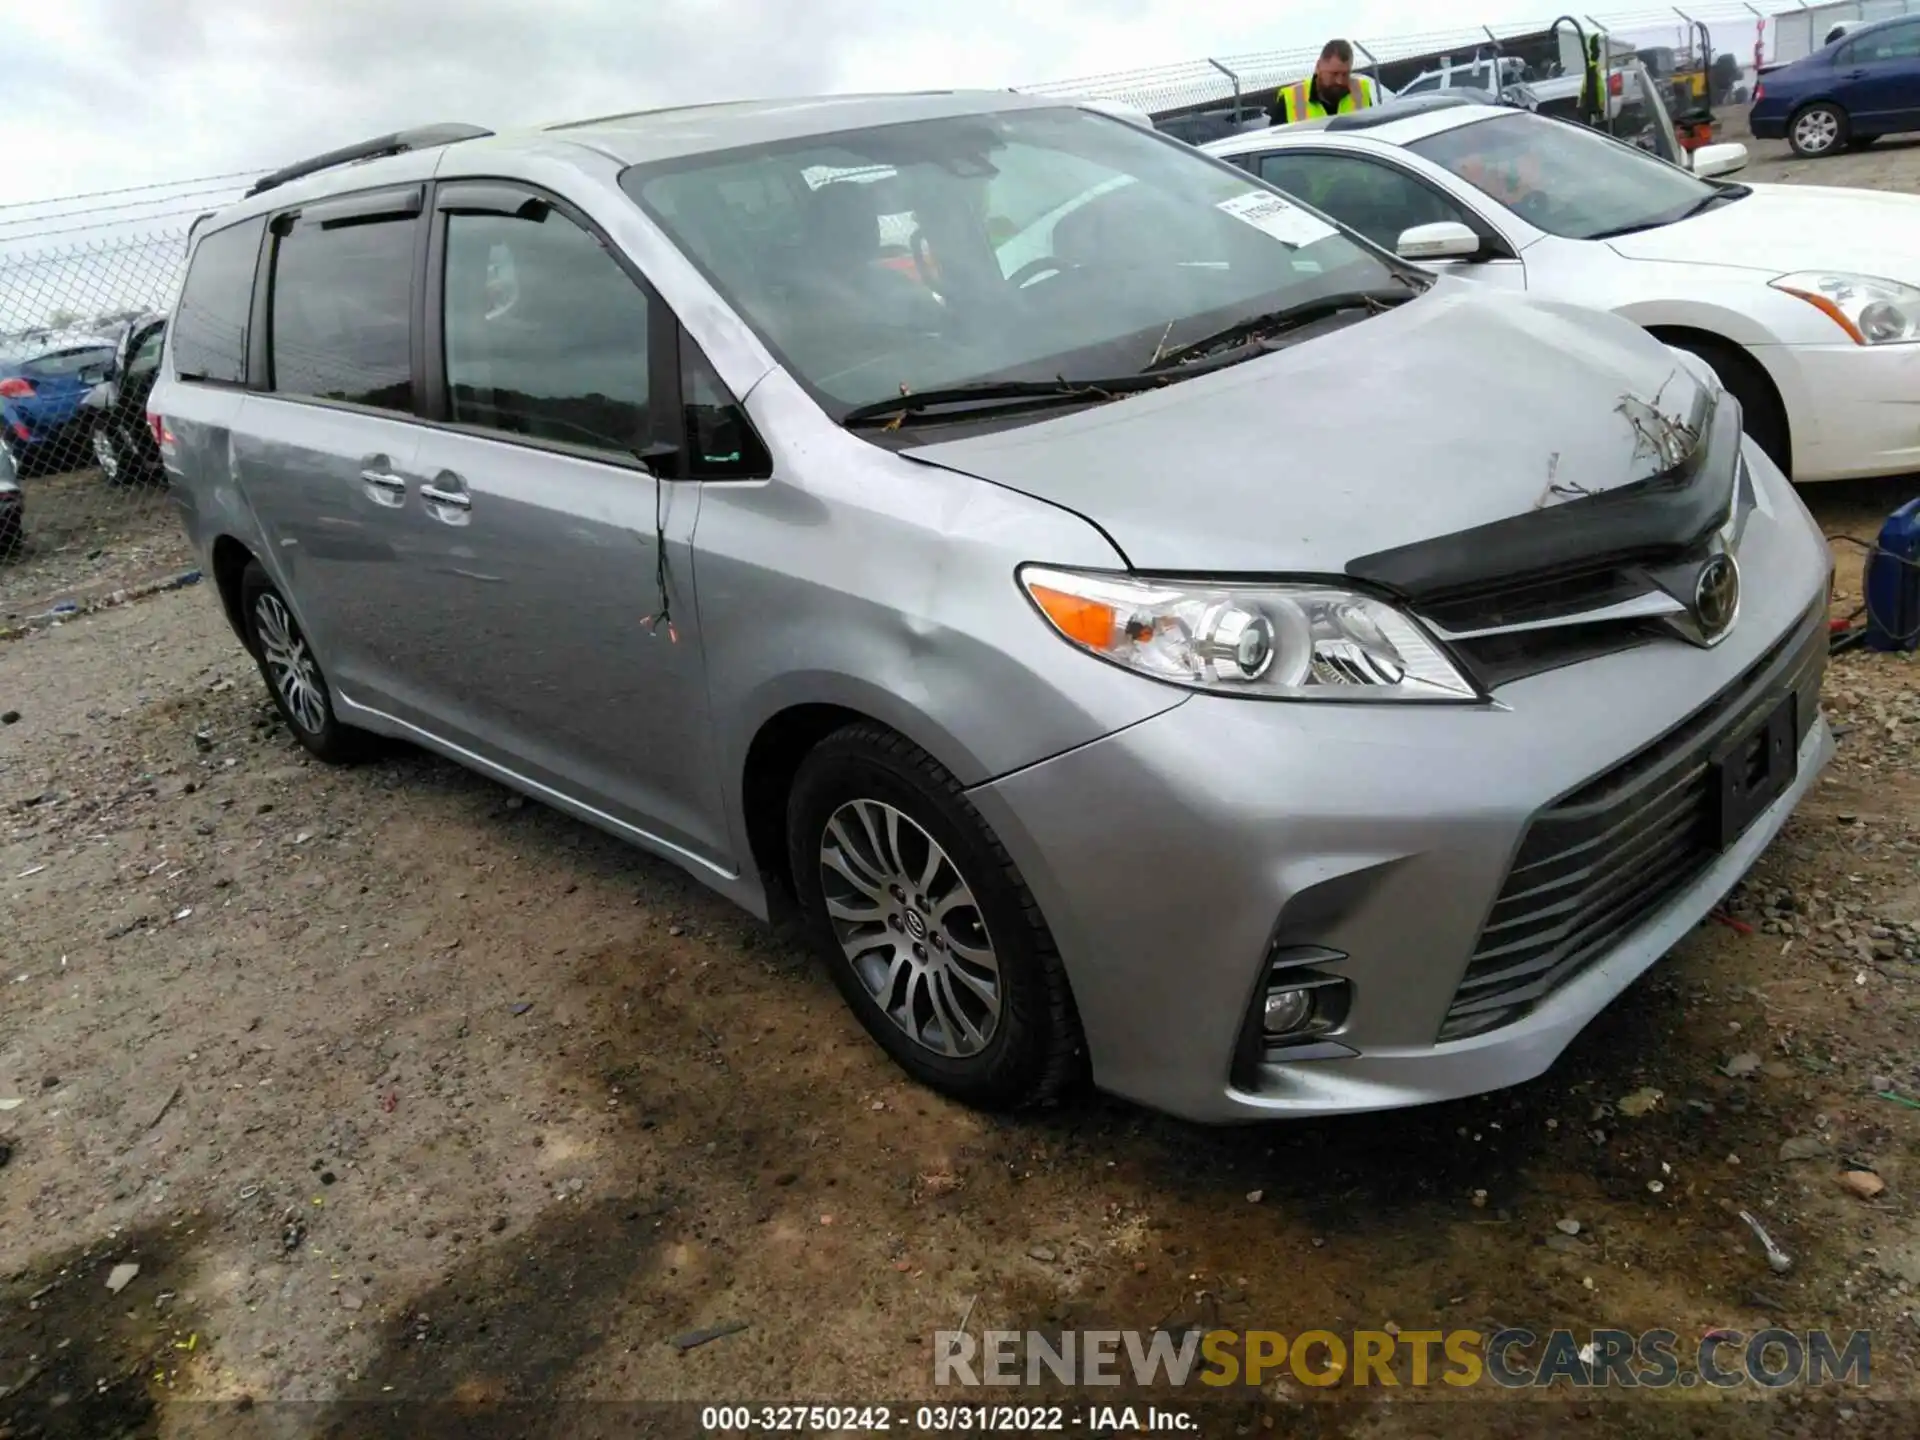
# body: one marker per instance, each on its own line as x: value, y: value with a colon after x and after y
x: 1272, y: 642
x: 1872, y: 312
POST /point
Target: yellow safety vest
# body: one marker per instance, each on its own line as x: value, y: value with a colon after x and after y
x: 1301, y: 105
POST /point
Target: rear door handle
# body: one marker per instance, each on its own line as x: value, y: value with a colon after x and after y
x: 383, y: 487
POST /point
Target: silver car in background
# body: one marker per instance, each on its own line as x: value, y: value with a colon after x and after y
x: 1152, y: 632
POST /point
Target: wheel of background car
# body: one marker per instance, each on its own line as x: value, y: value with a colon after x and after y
x: 926, y: 925
x: 1034, y: 269
x: 294, y: 678
x: 1761, y: 412
x: 106, y: 449
x: 11, y: 536
x: 1820, y: 129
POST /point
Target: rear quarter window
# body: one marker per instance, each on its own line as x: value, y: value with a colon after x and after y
x: 210, y: 324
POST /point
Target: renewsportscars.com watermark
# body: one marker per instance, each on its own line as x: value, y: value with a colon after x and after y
x: 1512, y: 1359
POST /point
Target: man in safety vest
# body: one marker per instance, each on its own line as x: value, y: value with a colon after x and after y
x: 1332, y: 89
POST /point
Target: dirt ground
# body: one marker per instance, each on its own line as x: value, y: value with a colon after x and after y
x: 398, y: 1089
x: 86, y: 540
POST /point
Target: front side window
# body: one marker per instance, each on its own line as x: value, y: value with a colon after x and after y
x: 210, y: 322
x: 146, y: 352
x: 1896, y: 42
x: 546, y: 336
x: 1376, y: 199
x: 341, y: 324
x: 1033, y: 244
x: 1566, y: 179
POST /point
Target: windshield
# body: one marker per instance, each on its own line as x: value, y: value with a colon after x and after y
x: 1030, y: 245
x: 1564, y: 178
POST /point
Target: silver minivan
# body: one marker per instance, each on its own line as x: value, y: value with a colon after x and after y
x: 1156, y: 635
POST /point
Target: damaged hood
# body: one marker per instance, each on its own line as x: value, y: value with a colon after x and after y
x: 1457, y: 410
x: 1783, y: 228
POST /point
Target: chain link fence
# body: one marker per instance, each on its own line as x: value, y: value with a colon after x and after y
x: 1249, y: 80
x: 85, y: 284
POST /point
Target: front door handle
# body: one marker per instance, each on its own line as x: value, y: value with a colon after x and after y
x: 447, y: 498
x: 437, y: 496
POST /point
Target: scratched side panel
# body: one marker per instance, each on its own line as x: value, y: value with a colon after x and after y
x: 860, y: 579
x: 530, y: 639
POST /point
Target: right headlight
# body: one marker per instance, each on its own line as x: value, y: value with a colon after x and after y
x: 1260, y: 641
x: 1872, y: 311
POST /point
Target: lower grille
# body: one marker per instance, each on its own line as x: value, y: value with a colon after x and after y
x: 1599, y: 862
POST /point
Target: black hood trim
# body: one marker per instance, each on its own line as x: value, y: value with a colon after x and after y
x: 1661, y: 517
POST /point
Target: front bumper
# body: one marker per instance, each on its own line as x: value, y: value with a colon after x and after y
x: 1168, y: 857
x: 1854, y: 409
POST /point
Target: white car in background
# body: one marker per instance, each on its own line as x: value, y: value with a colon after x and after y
x: 1805, y: 298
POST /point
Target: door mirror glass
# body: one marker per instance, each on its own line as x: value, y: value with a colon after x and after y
x: 1442, y: 240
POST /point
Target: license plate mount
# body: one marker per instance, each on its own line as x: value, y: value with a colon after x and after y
x: 1755, y: 769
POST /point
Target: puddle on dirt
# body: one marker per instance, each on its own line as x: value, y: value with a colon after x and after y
x: 88, y: 1350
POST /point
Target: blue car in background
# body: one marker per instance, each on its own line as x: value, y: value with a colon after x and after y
x: 1846, y: 95
x: 40, y: 393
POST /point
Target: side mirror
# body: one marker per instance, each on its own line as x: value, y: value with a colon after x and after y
x: 1444, y: 240
x: 1711, y: 160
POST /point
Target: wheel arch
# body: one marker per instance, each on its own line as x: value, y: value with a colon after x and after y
x: 795, y: 719
x: 229, y: 561
x: 1756, y: 369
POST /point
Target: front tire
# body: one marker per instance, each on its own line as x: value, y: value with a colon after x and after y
x: 1818, y: 130
x: 926, y: 925
x: 294, y: 678
x: 115, y: 468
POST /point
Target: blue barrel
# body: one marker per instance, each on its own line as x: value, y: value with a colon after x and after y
x: 1892, y: 583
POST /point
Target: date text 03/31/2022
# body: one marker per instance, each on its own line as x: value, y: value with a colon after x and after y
x: 939, y: 1419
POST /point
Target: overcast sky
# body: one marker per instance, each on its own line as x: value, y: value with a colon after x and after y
x: 105, y: 93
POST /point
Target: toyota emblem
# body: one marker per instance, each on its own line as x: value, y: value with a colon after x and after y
x: 1716, y: 596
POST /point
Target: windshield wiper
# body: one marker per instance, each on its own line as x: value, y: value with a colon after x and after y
x: 1720, y: 195
x: 1276, y: 322
x: 987, y: 397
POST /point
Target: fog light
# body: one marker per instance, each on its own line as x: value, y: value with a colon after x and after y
x: 1287, y: 1011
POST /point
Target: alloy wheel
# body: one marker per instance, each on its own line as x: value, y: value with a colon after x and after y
x: 290, y: 663
x: 911, y: 928
x: 1816, y: 131
x: 106, y: 454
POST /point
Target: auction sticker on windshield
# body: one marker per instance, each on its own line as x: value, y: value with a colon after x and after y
x: 1285, y: 222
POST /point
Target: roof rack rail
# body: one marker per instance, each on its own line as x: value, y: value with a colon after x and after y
x: 421, y: 137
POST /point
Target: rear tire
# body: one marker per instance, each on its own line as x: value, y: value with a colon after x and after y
x: 926, y: 925
x: 1762, y: 414
x: 294, y: 678
x: 1818, y: 130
